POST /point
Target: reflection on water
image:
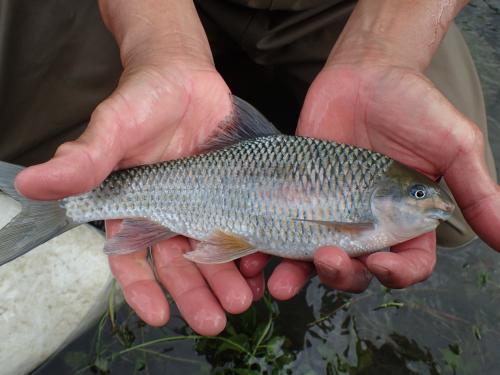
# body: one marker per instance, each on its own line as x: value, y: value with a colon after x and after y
x: 449, y: 324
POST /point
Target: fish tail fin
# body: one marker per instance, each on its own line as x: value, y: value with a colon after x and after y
x: 38, y: 221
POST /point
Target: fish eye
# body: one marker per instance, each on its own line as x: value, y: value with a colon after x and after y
x: 418, y: 191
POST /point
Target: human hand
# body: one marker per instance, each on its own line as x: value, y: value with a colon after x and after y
x: 372, y: 94
x: 169, y: 100
x: 396, y: 111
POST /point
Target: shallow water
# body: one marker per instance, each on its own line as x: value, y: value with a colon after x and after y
x: 449, y: 324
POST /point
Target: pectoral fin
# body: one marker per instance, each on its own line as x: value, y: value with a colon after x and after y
x: 220, y: 247
x: 136, y: 234
x: 343, y: 227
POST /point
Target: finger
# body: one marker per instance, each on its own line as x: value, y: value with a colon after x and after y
x: 188, y: 288
x: 140, y: 289
x: 257, y: 286
x: 252, y: 265
x: 473, y: 188
x: 288, y: 278
x: 229, y: 286
x: 408, y: 263
x: 337, y: 270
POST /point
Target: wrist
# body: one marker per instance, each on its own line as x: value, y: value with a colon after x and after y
x: 157, y: 30
x: 394, y: 32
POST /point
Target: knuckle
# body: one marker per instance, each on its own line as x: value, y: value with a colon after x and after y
x: 108, y: 113
x: 67, y: 147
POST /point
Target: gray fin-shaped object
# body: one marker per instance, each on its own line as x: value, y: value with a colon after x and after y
x: 246, y: 122
x: 136, y: 234
x: 37, y: 223
x: 220, y: 247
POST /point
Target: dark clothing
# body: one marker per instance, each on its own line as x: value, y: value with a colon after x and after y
x: 281, y: 4
x: 57, y: 62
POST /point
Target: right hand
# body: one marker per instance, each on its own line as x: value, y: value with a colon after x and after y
x: 160, y: 110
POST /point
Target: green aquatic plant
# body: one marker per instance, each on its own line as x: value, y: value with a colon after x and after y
x: 249, y: 344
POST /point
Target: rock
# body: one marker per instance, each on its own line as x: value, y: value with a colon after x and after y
x: 49, y: 295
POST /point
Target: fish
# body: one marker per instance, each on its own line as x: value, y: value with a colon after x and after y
x: 249, y: 189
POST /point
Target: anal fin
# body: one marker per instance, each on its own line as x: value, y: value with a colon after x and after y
x: 136, y: 234
x: 220, y: 247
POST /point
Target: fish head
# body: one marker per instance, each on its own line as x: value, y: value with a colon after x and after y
x: 407, y: 203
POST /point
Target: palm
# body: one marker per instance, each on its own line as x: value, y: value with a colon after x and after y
x: 390, y: 110
x: 167, y: 112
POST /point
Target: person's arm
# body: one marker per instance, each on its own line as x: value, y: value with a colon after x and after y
x: 170, y: 28
x: 391, y: 32
x: 169, y: 100
x: 372, y: 93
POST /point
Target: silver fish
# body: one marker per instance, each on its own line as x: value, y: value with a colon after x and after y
x: 253, y: 189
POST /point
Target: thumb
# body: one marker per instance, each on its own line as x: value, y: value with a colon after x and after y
x: 475, y: 191
x: 77, y: 166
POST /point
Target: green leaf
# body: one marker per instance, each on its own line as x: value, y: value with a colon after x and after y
x: 365, y: 355
x: 391, y: 304
x: 101, y: 364
x: 259, y: 332
x: 249, y: 319
x: 230, y: 329
x: 275, y: 347
x: 386, y: 290
x: 476, y: 330
x: 455, y: 348
x: 483, y: 278
x: 139, y: 364
x: 225, y: 346
x: 451, y: 358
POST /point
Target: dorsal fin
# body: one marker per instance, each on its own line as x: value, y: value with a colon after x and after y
x: 246, y: 122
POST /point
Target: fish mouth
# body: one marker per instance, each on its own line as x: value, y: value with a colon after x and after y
x: 441, y: 215
x: 443, y: 207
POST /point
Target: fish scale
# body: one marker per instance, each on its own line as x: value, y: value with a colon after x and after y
x: 260, y: 186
